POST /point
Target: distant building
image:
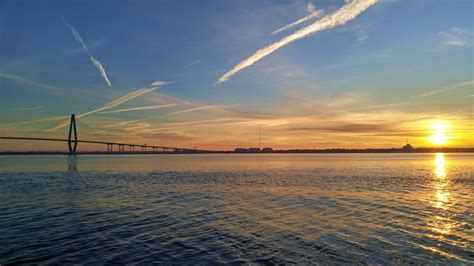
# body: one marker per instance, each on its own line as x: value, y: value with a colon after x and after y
x: 267, y: 149
x: 254, y: 150
x: 241, y: 150
x: 407, y: 147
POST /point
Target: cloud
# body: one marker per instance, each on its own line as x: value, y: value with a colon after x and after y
x: 345, y: 128
x: 159, y: 83
x: 168, y: 135
x: 152, y: 107
x: 163, y: 99
x: 348, y: 99
x: 204, y: 122
x: 361, y: 32
x: 82, y: 93
x: 378, y: 106
x: 193, y: 63
x: 341, y: 16
x: 197, y: 109
x: 123, y: 123
x: 314, y: 13
x: 455, y: 37
x: 114, y: 103
x: 96, y: 62
x: 453, y: 87
x: 311, y: 8
x: 469, y: 96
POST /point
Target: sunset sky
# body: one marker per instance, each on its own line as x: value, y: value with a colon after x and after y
x: 210, y: 74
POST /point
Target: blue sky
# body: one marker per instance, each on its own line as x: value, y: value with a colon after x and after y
x: 393, y: 72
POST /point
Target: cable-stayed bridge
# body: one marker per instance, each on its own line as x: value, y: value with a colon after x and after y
x: 73, y: 141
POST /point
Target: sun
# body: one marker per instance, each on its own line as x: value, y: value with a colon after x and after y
x: 439, y: 136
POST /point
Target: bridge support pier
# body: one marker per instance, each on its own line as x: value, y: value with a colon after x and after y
x: 72, y: 138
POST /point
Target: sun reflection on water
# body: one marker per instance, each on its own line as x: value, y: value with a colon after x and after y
x: 441, y: 182
x: 441, y: 223
x: 440, y: 164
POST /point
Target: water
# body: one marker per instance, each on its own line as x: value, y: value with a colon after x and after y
x: 276, y: 208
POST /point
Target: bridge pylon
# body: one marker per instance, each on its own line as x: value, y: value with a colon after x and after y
x: 72, y: 138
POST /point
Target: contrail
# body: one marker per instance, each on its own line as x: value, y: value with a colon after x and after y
x: 339, y: 17
x: 96, y: 62
x: 313, y: 14
x: 456, y: 86
x: 111, y: 104
x: 35, y: 121
x: 152, y: 107
x: 196, y: 109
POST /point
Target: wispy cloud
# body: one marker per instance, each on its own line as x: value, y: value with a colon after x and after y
x: 207, y: 121
x: 346, y: 128
x: 96, y: 62
x: 361, y: 32
x: 314, y: 13
x: 348, y: 99
x: 45, y: 87
x: 378, y: 106
x: 152, y: 107
x: 197, y: 109
x: 453, y: 87
x: 339, y: 17
x: 123, y: 123
x: 159, y: 83
x: 195, y: 62
x: 455, y: 37
x: 469, y: 96
x: 164, y: 99
x: 41, y: 87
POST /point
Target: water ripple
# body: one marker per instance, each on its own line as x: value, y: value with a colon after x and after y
x: 364, y: 210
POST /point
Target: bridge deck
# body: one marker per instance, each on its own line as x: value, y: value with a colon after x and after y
x: 98, y: 142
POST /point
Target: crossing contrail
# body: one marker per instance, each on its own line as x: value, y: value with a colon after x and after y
x: 109, y: 105
x: 341, y: 16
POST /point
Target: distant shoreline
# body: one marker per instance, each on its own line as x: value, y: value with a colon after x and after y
x: 295, y: 151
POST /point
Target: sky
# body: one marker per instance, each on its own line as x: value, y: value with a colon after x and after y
x: 220, y: 74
